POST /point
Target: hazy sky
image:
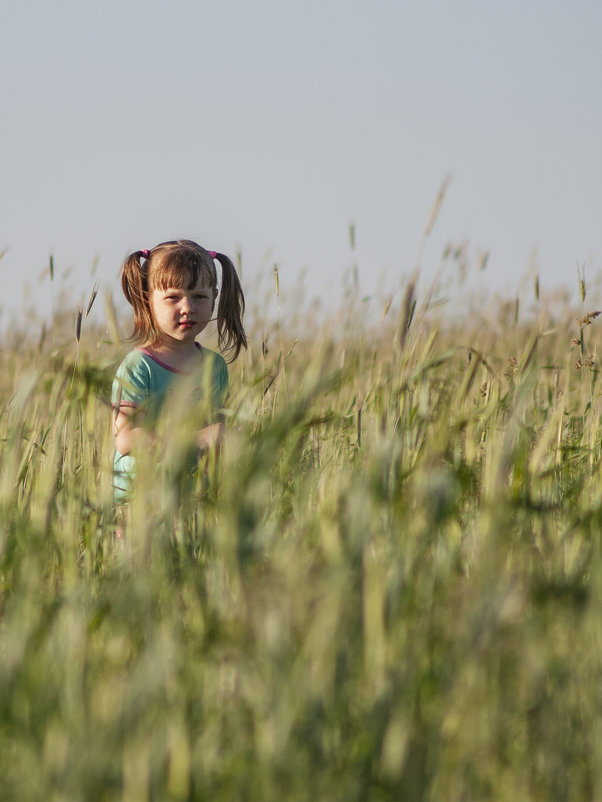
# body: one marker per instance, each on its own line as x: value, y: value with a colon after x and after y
x: 269, y: 126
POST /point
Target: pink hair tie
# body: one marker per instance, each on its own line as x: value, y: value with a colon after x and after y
x: 212, y: 254
x: 144, y: 253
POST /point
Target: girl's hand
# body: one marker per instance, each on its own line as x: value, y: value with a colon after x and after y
x: 211, y: 436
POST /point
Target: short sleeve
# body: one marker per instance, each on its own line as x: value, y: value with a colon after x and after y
x: 131, y: 386
x: 220, y: 381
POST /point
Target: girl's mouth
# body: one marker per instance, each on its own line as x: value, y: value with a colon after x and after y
x: 186, y: 324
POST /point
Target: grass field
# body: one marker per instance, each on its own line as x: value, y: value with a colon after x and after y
x: 389, y: 588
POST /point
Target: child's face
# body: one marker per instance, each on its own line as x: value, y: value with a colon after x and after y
x: 181, y: 314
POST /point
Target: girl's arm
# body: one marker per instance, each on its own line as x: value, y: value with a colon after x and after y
x: 130, y: 435
x: 128, y: 432
x: 211, y: 436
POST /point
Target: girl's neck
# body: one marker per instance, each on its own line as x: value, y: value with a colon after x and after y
x: 174, y: 353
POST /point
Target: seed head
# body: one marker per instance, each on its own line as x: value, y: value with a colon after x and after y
x: 587, y: 319
x: 512, y: 367
x: 78, y: 324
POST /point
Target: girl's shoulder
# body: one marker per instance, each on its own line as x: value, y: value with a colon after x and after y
x: 218, y: 372
x: 217, y: 358
x: 134, y: 362
x: 139, y: 369
x: 132, y: 382
x: 218, y: 364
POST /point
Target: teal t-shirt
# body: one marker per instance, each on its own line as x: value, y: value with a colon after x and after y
x: 144, y: 382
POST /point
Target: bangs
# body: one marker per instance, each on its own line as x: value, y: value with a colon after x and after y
x: 181, y: 269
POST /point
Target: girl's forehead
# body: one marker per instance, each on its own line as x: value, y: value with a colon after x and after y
x: 190, y: 278
x: 203, y: 283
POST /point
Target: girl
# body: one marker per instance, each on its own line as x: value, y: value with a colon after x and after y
x: 173, y: 290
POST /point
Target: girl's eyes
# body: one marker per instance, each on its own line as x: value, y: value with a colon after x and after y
x: 176, y: 298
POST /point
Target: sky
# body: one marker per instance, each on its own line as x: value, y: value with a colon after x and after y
x: 268, y: 127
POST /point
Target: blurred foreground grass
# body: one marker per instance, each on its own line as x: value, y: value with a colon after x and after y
x: 390, y: 588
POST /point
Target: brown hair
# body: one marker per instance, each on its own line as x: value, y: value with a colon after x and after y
x: 180, y: 264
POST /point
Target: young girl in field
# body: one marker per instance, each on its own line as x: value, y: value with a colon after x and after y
x: 173, y: 290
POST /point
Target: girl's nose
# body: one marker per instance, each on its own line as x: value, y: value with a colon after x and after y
x: 185, y: 305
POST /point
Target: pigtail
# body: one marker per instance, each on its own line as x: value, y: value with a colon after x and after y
x: 134, y: 282
x: 230, y: 330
